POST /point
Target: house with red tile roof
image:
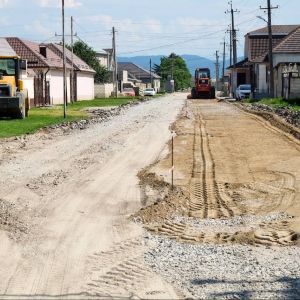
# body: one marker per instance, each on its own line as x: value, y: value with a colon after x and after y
x: 254, y: 69
x: 45, y: 72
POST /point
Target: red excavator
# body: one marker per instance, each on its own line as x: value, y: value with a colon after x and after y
x: 203, y: 88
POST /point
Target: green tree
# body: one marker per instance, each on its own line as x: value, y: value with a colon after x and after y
x: 88, y: 55
x: 174, y: 64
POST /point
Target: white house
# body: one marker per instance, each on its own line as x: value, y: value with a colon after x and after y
x: 45, y: 73
x: 105, y: 58
x: 139, y: 76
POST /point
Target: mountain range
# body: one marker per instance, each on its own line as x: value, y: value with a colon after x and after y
x: 192, y: 61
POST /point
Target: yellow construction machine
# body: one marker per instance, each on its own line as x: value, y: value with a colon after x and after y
x: 14, y: 102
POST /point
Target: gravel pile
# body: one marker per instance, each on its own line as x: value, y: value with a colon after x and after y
x: 10, y: 220
x: 228, y: 272
x: 290, y: 116
x: 98, y: 115
x: 235, y: 223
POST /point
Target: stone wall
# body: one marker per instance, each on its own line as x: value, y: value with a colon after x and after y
x: 103, y: 90
x: 295, y: 88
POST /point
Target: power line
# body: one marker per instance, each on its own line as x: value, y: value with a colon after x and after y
x: 173, y: 44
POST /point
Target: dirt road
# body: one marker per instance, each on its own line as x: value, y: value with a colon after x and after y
x: 234, y: 216
x: 229, y: 228
x: 65, y: 203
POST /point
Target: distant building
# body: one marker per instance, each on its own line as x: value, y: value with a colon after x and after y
x: 139, y: 76
x: 105, y: 58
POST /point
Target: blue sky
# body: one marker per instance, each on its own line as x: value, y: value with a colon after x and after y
x: 144, y: 27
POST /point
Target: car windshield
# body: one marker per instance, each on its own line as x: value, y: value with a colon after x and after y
x: 149, y: 90
x: 246, y: 87
x: 7, y: 66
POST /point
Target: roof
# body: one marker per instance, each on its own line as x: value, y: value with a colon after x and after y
x: 31, y: 52
x: 136, y: 71
x: 78, y: 62
x: 291, y: 44
x: 259, y: 47
x: 258, y: 42
x: 54, y: 59
x: 276, y: 30
x: 241, y: 64
x: 6, y: 49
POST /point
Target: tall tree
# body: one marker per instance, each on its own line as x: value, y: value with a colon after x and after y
x: 89, y: 55
x: 175, y: 66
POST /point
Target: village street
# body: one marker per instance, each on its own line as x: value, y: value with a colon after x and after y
x: 79, y: 219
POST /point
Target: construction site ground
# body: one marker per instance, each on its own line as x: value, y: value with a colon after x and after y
x: 92, y: 213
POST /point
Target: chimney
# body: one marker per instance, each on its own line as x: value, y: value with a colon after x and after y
x: 43, y: 50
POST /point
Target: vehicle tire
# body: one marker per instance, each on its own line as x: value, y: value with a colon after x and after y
x: 194, y: 94
x: 213, y: 93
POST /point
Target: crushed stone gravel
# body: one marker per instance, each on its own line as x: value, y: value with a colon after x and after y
x: 226, y: 271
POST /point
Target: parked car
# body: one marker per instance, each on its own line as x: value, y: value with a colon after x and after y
x: 149, y: 92
x: 243, y: 91
x: 128, y: 92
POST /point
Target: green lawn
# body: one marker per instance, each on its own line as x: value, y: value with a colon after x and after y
x: 43, y: 117
x: 277, y: 102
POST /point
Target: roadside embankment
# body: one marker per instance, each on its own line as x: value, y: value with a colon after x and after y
x: 284, y: 118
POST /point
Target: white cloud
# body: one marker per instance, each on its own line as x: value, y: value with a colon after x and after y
x: 39, y: 28
x: 3, y: 3
x: 57, y: 3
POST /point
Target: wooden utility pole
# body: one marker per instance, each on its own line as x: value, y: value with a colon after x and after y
x: 115, y: 71
x: 234, y: 47
x: 269, y: 8
x: 151, y: 72
x: 230, y: 46
x: 72, y: 86
x: 172, y: 74
x: 64, y: 60
x: 217, y: 70
x: 224, y: 57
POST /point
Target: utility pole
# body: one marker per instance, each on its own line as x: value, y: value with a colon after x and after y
x: 172, y: 74
x: 217, y: 70
x: 230, y: 46
x: 151, y: 72
x: 224, y: 57
x: 64, y: 60
x: 233, y: 32
x: 72, y: 85
x: 234, y: 47
x: 115, y: 71
x: 271, y: 66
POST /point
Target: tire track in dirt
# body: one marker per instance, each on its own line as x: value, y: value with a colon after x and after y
x: 211, y: 200
x: 121, y: 272
x: 206, y: 200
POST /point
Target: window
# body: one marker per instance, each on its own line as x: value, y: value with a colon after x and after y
x: 8, y: 66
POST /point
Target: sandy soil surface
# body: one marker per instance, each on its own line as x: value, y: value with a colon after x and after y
x: 93, y: 213
x: 64, y: 207
x: 237, y: 187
